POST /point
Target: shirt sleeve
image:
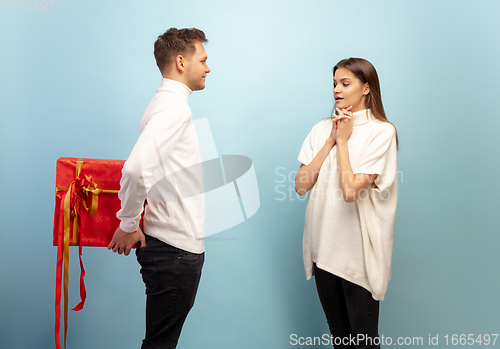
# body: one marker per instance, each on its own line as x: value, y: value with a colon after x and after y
x: 306, y: 154
x: 376, y: 153
x: 151, y: 150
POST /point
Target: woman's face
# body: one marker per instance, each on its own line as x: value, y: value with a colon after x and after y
x: 349, y: 90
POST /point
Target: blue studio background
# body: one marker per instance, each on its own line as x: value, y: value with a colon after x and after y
x: 75, y: 80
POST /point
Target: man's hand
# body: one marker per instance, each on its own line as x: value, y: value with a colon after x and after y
x: 123, y: 242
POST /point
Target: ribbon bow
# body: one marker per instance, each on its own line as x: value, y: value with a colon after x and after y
x: 83, y: 191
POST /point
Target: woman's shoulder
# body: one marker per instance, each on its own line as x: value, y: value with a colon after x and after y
x: 320, y: 130
x: 322, y: 123
x: 383, y: 127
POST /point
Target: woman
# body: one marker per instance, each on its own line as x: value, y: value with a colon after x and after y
x: 350, y: 162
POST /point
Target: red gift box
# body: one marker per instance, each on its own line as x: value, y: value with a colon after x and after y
x: 85, y: 215
x: 97, y: 183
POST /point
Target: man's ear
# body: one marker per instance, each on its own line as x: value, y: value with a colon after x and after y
x: 366, y: 89
x: 180, y: 63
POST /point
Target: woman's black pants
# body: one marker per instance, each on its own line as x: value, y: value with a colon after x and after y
x: 350, y: 310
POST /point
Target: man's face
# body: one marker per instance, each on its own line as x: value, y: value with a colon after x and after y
x: 196, y: 68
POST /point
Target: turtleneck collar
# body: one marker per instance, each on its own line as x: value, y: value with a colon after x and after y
x: 176, y: 87
x: 362, y: 117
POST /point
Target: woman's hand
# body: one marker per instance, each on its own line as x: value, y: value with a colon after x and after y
x: 343, y: 125
x: 344, y: 113
x: 333, y: 135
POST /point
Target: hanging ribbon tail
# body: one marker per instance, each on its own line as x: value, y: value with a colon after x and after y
x: 67, y: 226
x: 59, y: 280
x: 83, y: 291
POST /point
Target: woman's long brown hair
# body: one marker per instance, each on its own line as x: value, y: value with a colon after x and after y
x: 366, y: 72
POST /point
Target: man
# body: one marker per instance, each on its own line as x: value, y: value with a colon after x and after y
x: 171, y: 252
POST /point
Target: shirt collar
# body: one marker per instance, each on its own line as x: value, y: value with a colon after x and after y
x: 362, y: 117
x: 176, y: 87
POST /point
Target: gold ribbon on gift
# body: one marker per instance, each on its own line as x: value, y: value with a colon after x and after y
x: 74, y: 199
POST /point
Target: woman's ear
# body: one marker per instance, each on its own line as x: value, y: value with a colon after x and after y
x: 366, y: 89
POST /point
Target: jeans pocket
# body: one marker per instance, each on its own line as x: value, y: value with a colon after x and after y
x: 188, y: 256
x: 149, y: 272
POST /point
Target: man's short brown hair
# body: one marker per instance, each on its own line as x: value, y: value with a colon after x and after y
x: 176, y: 42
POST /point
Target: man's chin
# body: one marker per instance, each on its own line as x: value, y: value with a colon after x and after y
x: 199, y: 87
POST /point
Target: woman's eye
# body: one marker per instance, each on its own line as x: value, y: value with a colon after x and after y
x: 345, y: 85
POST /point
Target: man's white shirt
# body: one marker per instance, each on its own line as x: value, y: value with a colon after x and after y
x: 165, y: 169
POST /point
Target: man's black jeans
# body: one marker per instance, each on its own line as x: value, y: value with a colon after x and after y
x: 171, y: 276
x: 350, y: 310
